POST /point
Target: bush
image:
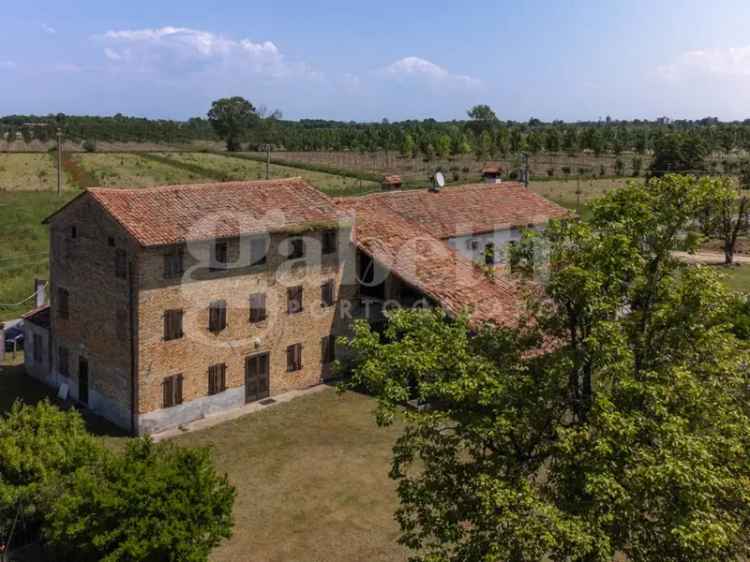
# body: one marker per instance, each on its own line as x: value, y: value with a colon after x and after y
x: 550, y: 172
x: 566, y: 170
x: 39, y: 447
x: 740, y: 318
x: 89, y: 145
x: 155, y: 502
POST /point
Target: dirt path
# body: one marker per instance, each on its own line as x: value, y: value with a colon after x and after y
x: 709, y: 258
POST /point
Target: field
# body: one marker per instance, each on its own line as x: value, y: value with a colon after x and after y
x: 311, y: 476
x: 28, y: 172
x: 738, y: 278
x: 132, y: 170
x: 24, y: 246
x: 574, y: 194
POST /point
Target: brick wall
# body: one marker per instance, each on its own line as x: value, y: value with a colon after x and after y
x: 192, y: 354
x: 83, y: 263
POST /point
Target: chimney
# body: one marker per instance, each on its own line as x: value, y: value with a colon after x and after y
x: 40, y: 291
x: 391, y: 183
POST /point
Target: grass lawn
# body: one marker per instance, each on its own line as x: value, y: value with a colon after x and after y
x: 564, y: 192
x: 312, y: 481
x: 28, y: 172
x: 24, y: 245
x: 738, y: 278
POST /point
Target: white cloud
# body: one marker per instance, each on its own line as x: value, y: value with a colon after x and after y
x: 184, y: 49
x: 48, y: 29
x: 422, y: 68
x: 732, y: 62
x: 7, y: 64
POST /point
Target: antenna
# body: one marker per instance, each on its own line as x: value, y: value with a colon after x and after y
x: 438, y: 181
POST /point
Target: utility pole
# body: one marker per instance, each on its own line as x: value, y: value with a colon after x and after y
x: 268, y: 161
x: 59, y: 162
x: 525, y: 169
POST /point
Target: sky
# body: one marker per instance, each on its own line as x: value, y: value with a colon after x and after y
x: 365, y: 61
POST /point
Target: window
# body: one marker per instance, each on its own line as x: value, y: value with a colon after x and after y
x: 173, y: 264
x: 74, y: 231
x: 172, y: 324
x: 172, y: 391
x: 472, y: 244
x: 327, y: 349
x: 217, y: 316
x: 294, y: 300
x: 217, y: 380
x: 63, y: 304
x: 257, y: 251
x: 121, y: 263
x: 326, y: 294
x: 330, y: 241
x: 111, y: 242
x: 219, y: 256
x: 62, y: 361
x: 294, y: 357
x: 296, y: 248
x: 38, y: 351
x: 257, y: 307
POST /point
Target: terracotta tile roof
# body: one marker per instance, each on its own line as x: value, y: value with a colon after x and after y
x: 470, y: 209
x: 38, y: 316
x: 493, y: 168
x: 178, y: 213
x: 429, y: 265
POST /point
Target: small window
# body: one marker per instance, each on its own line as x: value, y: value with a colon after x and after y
x: 217, y: 381
x: 172, y: 324
x: 63, y: 361
x: 74, y: 231
x: 257, y: 307
x: 472, y: 244
x: 327, y: 349
x: 294, y: 300
x: 327, y: 294
x: 111, y: 242
x: 38, y: 351
x: 294, y: 357
x: 121, y: 263
x: 173, y: 264
x: 217, y: 316
x: 219, y: 255
x: 63, y: 303
x: 296, y: 248
x: 330, y: 241
x: 258, y: 251
x: 172, y: 391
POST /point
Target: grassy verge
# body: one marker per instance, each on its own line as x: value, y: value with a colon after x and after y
x: 24, y: 245
x: 738, y: 278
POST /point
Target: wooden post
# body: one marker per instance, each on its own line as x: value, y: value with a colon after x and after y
x: 59, y: 162
x: 2, y: 342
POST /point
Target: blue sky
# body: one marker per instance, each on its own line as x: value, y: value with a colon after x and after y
x: 571, y: 60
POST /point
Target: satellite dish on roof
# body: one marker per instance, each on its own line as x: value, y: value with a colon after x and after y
x: 439, y: 180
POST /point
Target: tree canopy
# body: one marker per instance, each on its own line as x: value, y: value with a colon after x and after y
x: 231, y: 118
x: 616, y: 419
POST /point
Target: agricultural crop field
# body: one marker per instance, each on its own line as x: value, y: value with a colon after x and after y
x: 132, y: 170
x: 27, y: 172
x: 575, y: 194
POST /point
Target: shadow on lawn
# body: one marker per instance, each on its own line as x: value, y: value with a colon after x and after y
x: 15, y: 385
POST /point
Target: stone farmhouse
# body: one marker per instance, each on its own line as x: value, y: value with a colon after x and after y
x: 173, y: 303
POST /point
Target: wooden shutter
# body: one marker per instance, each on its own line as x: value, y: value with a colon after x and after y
x: 294, y: 357
x: 217, y: 316
x: 326, y: 294
x: 294, y: 300
x: 178, y: 389
x: 167, y: 392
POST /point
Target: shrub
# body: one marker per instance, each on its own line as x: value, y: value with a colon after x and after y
x: 550, y: 172
x: 89, y: 145
x: 155, y: 502
x: 566, y: 170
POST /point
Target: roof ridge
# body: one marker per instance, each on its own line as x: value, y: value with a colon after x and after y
x: 197, y: 185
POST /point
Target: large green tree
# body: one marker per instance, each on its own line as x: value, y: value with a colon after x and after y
x: 154, y: 502
x: 727, y: 216
x: 616, y: 420
x: 231, y: 118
